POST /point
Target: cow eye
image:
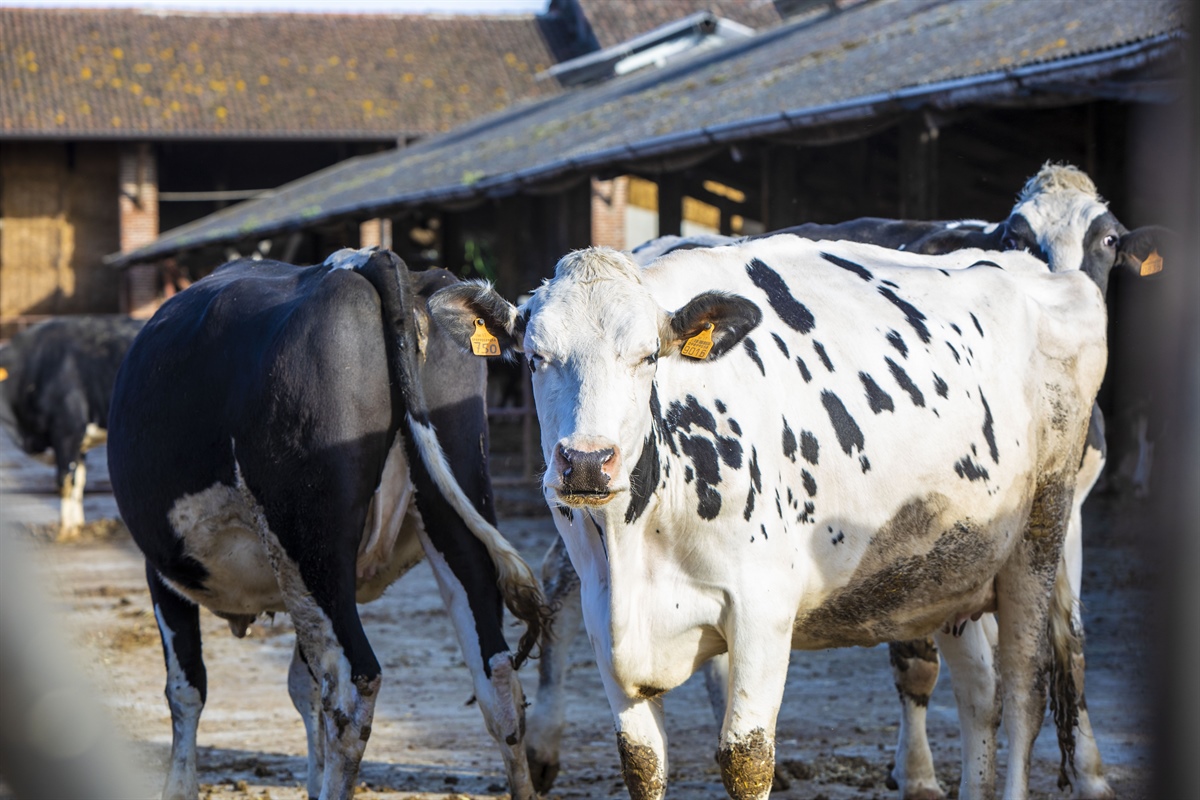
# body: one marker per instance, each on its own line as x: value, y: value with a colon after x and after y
x: 1110, y: 240
x: 1009, y: 242
x: 651, y: 359
x: 534, y: 361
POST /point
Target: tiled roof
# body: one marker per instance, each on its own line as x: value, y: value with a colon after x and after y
x: 875, y: 59
x: 617, y: 21
x: 76, y: 73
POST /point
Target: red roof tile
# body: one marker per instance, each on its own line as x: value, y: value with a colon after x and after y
x: 79, y: 73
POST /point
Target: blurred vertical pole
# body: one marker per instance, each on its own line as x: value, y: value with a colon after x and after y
x: 1176, y: 514
x: 55, y: 741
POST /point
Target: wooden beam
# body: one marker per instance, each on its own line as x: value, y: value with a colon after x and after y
x: 780, y: 207
x: 918, y: 168
x: 670, y: 204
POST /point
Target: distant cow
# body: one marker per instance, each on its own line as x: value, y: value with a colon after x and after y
x: 787, y: 444
x: 295, y: 439
x: 56, y: 380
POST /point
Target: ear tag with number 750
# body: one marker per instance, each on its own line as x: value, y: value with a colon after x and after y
x: 482, y: 341
x: 699, y: 345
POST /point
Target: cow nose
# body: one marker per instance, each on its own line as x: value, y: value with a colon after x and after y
x: 586, y: 471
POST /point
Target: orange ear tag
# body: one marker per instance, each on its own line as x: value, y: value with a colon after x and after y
x: 699, y: 345
x: 1152, y: 264
x: 3, y: 374
x: 482, y: 341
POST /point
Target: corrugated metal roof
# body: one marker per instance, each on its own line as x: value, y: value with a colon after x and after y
x: 874, y: 58
x: 89, y: 73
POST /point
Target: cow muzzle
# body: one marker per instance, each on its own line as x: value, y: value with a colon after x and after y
x: 586, y: 476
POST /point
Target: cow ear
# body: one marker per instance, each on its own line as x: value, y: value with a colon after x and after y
x: 1141, y: 251
x: 725, y: 319
x: 474, y: 311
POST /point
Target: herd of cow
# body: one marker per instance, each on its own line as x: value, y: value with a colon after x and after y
x: 833, y: 435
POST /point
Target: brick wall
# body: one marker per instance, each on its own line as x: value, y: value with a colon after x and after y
x: 137, y: 181
x: 609, y: 199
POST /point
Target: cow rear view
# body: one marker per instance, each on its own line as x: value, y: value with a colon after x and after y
x: 273, y: 448
x: 56, y: 379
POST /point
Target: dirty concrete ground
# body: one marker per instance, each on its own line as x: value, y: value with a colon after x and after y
x: 836, y: 730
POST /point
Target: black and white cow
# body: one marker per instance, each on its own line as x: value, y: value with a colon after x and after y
x: 866, y: 445
x: 56, y: 379
x: 274, y: 447
x: 915, y: 664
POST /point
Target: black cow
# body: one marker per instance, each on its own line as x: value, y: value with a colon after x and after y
x: 274, y: 447
x: 56, y: 380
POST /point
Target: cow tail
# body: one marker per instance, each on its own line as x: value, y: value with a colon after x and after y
x: 1065, y: 643
x: 520, y: 588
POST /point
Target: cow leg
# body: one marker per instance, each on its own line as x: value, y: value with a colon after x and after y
x: 971, y: 660
x: 560, y: 584
x: 306, y: 697
x: 758, y: 661
x: 915, y: 669
x: 1025, y: 588
x: 187, y: 682
x: 497, y: 688
x: 1089, y: 780
x: 318, y: 591
x: 70, y: 475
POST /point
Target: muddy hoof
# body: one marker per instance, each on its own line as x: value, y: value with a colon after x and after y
x: 542, y: 773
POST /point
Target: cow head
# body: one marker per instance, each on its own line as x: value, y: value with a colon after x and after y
x: 1061, y: 218
x: 595, y: 339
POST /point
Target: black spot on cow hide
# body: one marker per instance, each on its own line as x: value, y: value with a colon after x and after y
x: 789, y: 441
x: 807, y: 515
x: 988, y: 433
x: 978, y: 327
x: 967, y: 468
x: 752, y: 351
x: 809, y: 447
x: 720, y: 406
x: 643, y: 480
x: 897, y: 341
x: 877, y: 398
x: 755, y: 474
x: 810, y: 483
x: 865, y: 464
x: 804, y: 373
x: 957, y: 359
x: 782, y: 345
x: 848, y: 265
x: 749, y: 510
x: 733, y: 426
x: 956, y: 329
x: 906, y: 383
x: 793, y: 313
x: 820, y: 348
x: 940, y: 386
x: 849, y: 435
x: 915, y: 318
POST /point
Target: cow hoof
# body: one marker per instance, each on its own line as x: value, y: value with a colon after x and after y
x: 542, y: 773
x: 1095, y: 789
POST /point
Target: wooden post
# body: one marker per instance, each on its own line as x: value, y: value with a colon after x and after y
x: 918, y: 168
x: 779, y: 198
x: 670, y: 204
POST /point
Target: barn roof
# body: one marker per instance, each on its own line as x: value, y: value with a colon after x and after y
x: 869, y: 61
x: 615, y: 21
x: 92, y: 73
